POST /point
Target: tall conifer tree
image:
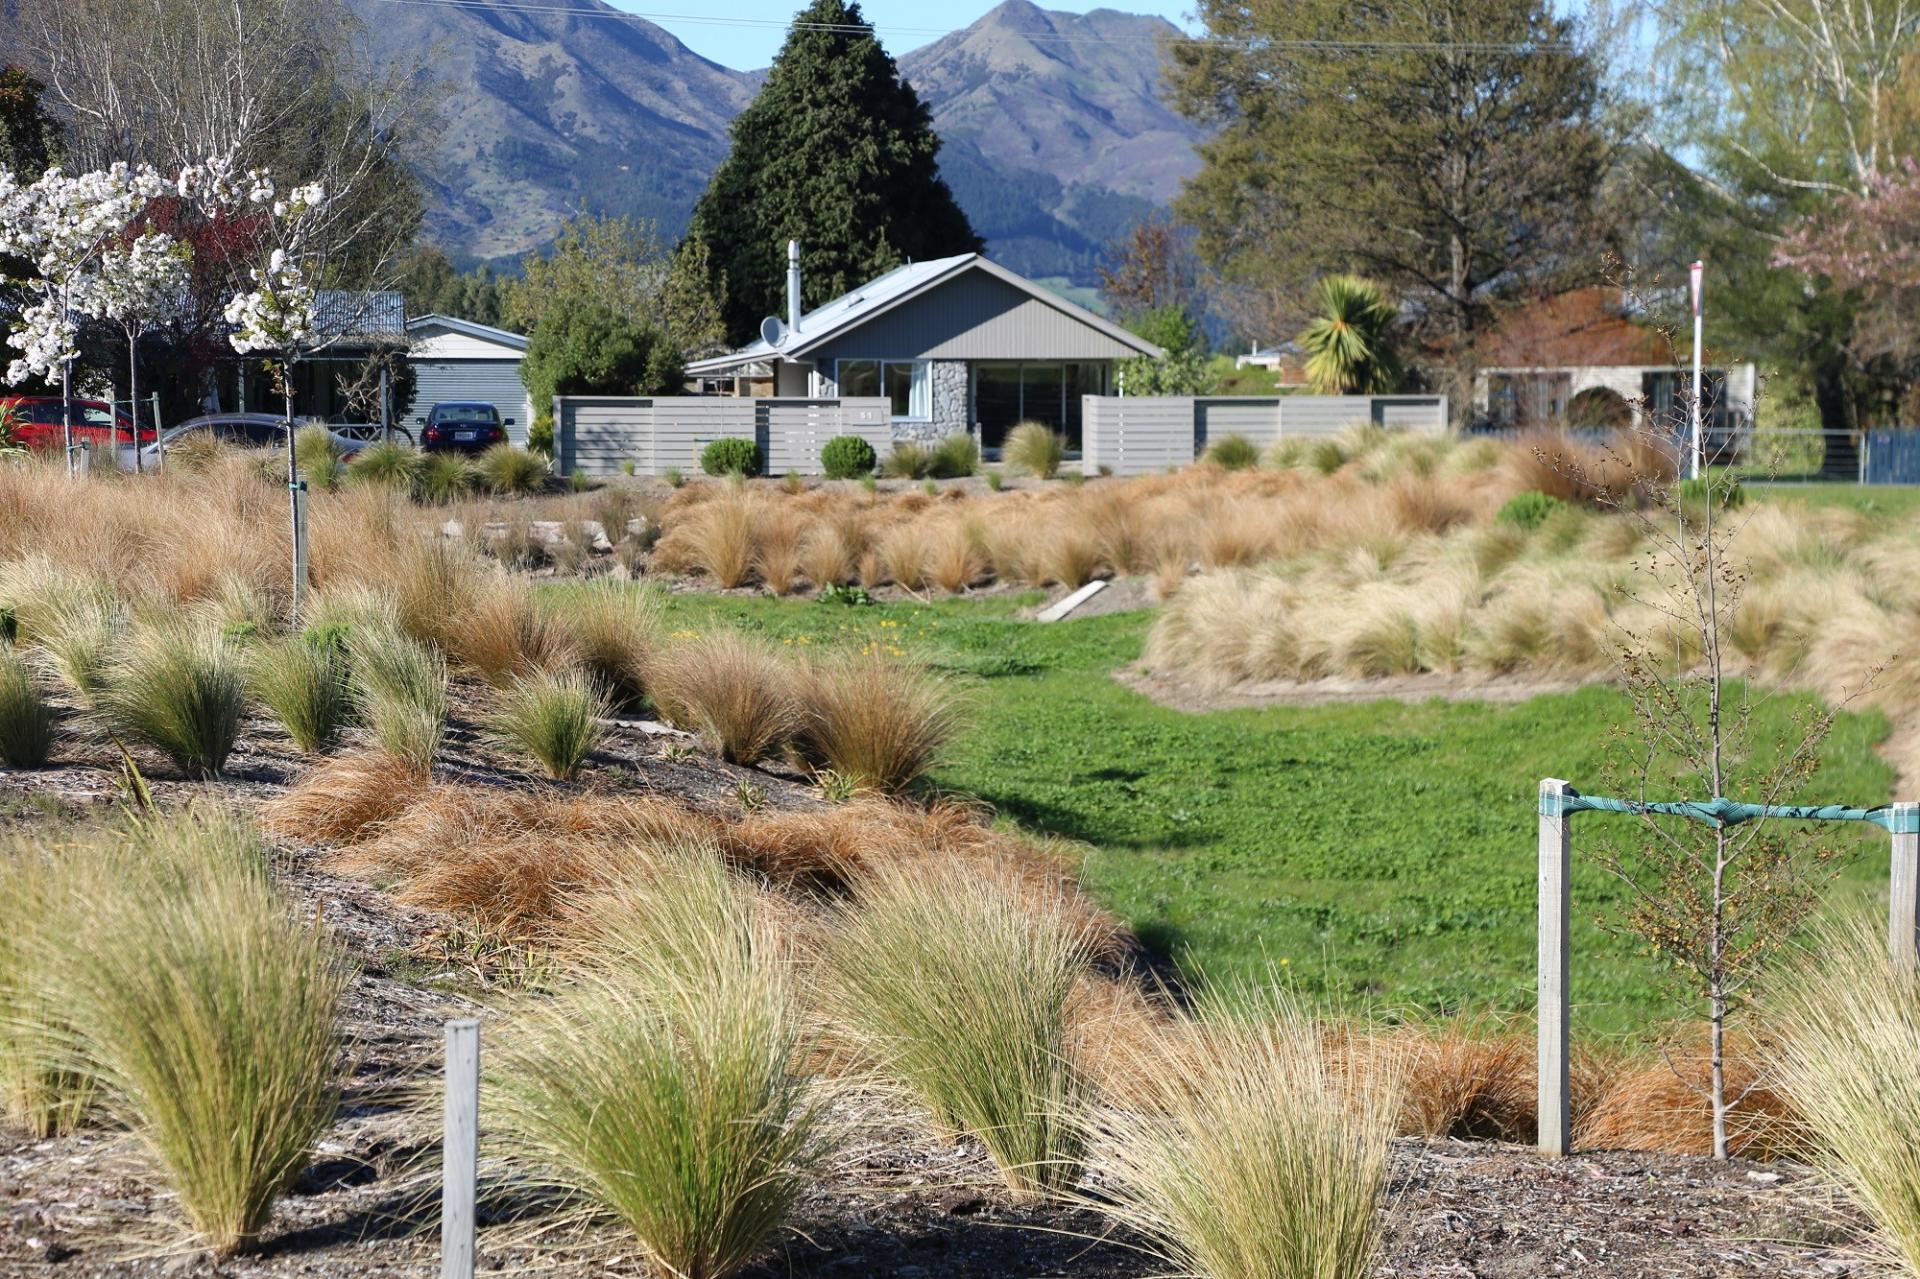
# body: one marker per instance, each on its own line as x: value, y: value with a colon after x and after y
x: 837, y: 152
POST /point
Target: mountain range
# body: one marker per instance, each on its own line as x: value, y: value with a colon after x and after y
x: 1055, y: 136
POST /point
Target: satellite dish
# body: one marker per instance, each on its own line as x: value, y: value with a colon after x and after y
x: 773, y: 331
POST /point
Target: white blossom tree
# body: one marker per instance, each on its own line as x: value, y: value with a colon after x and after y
x: 63, y: 224
x: 141, y: 284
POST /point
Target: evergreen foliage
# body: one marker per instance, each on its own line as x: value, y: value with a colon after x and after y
x: 845, y: 456
x: 838, y: 152
x: 584, y: 348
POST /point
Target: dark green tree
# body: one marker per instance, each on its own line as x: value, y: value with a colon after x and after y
x: 837, y: 152
x: 29, y: 137
x: 433, y: 287
x: 1450, y: 151
x: 584, y: 348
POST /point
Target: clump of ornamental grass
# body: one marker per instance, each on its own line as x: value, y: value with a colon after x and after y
x: 302, y: 680
x: 400, y: 692
x: 1034, y: 448
x: 614, y: 628
x: 1233, y: 453
x: 661, y: 1086
x: 504, y: 633
x: 956, y: 990
x: 317, y: 455
x: 179, y: 690
x: 79, y: 641
x: 444, y: 477
x: 555, y: 718
x: 1250, y: 1151
x: 42, y: 1093
x: 909, y: 460
x: 717, y: 538
x: 731, y: 689
x: 387, y: 463
x: 954, y: 458
x: 39, y: 595
x: 507, y: 470
x: 26, y: 722
x: 879, y: 721
x: 1850, y: 1034
x: 205, y: 1011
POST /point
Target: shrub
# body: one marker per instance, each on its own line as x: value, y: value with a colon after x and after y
x: 445, y: 477
x: 1727, y: 492
x: 556, y: 718
x: 26, y: 723
x: 540, y: 436
x: 909, y: 460
x: 1851, y: 1035
x: 958, y: 990
x: 400, y: 690
x: 615, y: 628
x: 730, y: 455
x: 388, y: 463
x: 1035, y: 449
x: 662, y: 1087
x: 733, y: 690
x: 510, y: 471
x: 317, y: 456
x: 179, y: 691
x: 1233, y: 453
x: 847, y: 456
x: 1249, y: 1155
x: 583, y: 347
x: 1528, y: 510
x: 955, y: 457
x: 207, y: 1012
x: 878, y: 721
x: 303, y: 681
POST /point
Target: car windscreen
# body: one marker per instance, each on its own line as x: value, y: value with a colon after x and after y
x: 466, y: 415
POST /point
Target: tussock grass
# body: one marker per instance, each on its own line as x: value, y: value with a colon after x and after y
x: 445, y: 477
x: 1268, y: 1165
x: 661, y: 1088
x: 1034, y: 448
x: 317, y: 457
x: 400, y: 691
x: 733, y: 690
x: 344, y: 800
x: 504, y: 634
x: 42, y: 1091
x: 80, y: 642
x: 393, y: 465
x: 26, y: 722
x: 955, y: 457
x: 507, y: 469
x: 555, y: 718
x: 957, y: 991
x: 879, y: 720
x: 614, y: 629
x: 206, y: 1013
x: 1850, y: 1036
x: 716, y: 537
x: 303, y: 681
x: 179, y: 690
x: 1662, y: 1104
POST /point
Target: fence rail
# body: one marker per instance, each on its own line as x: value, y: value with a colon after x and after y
x: 602, y: 435
x: 1136, y: 435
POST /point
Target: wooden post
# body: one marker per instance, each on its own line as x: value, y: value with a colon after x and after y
x: 299, y: 490
x: 1555, y: 1109
x: 460, y: 1150
x: 1903, y: 888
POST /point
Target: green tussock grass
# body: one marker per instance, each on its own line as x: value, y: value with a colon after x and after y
x: 555, y: 718
x: 956, y: 988
x: 180, y: 691
x: 26, y: 722
x: 302, y: 680
x: 400, y: 691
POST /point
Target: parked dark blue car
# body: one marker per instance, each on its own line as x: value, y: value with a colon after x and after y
x: 463, y: 427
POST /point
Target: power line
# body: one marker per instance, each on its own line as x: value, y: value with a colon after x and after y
x: 862, y: 28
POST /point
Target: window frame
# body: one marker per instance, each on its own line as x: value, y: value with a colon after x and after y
x: 919, y: 387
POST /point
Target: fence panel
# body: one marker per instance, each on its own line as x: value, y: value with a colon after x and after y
x: 684, y: 425
x: 1257, y: 420
x: 596, y: 435
x: 1136, y: 434
x: 792, y: 432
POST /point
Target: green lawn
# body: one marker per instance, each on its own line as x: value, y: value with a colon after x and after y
x: 1381, y: 853
x: 1882, y: 500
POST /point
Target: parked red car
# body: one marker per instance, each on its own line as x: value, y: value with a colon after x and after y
x: 37, y: 422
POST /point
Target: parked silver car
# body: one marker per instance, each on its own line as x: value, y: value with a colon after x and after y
x: 242, y: 430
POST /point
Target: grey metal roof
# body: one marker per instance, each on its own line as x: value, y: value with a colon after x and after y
x: 470, y: 328
x: 354, y: 316
x: 877, y: 296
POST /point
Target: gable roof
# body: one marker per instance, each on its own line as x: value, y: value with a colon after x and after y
x: 849, y: 311
x: 484, y: 332
x: 351, y: 317
x: 1589, y: 327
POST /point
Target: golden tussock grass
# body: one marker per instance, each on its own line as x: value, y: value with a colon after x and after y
x: 1661, y: 1104
x: 734, y: 690
x: 344, y: 800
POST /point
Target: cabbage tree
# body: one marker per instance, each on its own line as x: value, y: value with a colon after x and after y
x: 1349, y: 343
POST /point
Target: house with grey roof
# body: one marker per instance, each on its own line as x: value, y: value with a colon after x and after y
x: 954, y: 345
x: 455, y: 359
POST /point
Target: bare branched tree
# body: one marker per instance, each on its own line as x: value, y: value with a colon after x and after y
x: 1713, y: 900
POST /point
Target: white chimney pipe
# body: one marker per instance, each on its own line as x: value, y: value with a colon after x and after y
x: 793, y: 286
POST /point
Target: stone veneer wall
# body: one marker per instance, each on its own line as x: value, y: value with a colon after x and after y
x: 948, y: 388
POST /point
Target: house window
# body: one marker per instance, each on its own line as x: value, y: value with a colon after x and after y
x: 904, y: 383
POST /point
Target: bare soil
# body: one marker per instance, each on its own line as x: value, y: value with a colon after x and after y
x: 897, y: 1201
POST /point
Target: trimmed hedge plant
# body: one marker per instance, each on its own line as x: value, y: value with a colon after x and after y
x: 847, y: 457
x: 731, y: 456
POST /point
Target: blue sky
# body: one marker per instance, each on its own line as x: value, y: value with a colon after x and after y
x: 747, y: 33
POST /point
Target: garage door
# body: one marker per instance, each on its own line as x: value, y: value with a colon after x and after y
x: 495, y: 382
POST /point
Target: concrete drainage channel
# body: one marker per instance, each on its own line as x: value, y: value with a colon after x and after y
x: 1060, y: 609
